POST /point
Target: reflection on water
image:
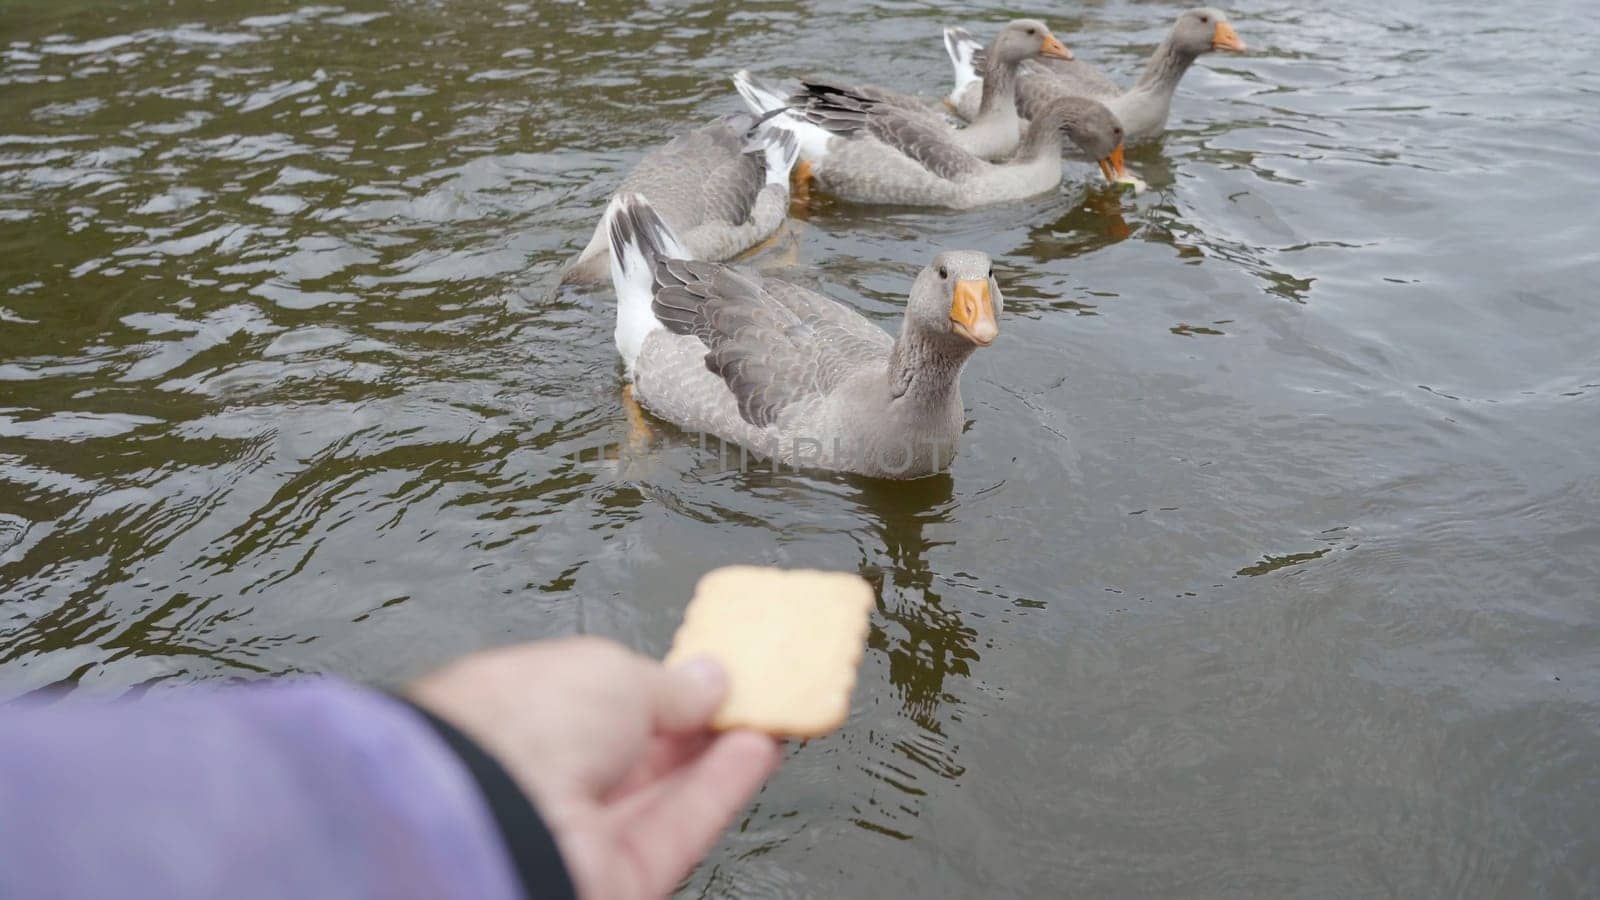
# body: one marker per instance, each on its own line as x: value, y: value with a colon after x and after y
x: 925, y: 642
x: 1096, y: 222
x: 1268, y: 563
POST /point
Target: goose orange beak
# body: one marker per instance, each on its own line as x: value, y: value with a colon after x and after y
x: 1225, y: 38
x: 1054, y: 49
x: 1112, y: 168
x: 972, y: 312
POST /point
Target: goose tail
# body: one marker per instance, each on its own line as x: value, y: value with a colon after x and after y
x: 767, y: 99
x: 761, y: 96
x: 964, y: 50
x: 775, y: 138
x: 638, y: 239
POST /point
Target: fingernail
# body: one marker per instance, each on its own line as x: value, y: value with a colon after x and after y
x: 706, y: 672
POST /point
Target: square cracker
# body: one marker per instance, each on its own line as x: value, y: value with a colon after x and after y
x: 791, y: 641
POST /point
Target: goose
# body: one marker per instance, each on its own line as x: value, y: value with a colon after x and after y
x: 724, y: 187
x: 869, y: 152
x: 1142, y: 109
x: 995, y: 128
x: 790, y: 374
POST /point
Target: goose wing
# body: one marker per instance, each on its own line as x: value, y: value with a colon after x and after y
x: 774, y: 344
x: 700, y: 175
x: 1076, y: 77
x: 847, y: 112
x: 911, y: 104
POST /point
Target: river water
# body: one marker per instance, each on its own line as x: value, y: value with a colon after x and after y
x: 1270, y: 565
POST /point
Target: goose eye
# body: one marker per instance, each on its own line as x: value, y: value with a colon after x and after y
x: 1204, y: 19
x: 1031, y: 31
x: 991, y: 271
x: 943, y: 272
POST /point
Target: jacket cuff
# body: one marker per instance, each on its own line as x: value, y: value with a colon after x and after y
x: 533, y: 851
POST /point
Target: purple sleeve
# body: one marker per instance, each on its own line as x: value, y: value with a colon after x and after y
x: 292, y: 789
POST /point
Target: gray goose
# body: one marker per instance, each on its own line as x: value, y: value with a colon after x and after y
x: 1142, y: 109
x: 995, y: 128
x: 790, y: 374
x: 862, y: 150
x: 724, y: 187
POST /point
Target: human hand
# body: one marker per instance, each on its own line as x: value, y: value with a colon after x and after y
x: 614, y: 750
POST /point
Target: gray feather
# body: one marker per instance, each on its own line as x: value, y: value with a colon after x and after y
x: 847, y: 113
x: 773, y: 344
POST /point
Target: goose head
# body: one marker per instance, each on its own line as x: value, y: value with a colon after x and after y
x: 1026, y: 39
x: 955, y: 298
x: 1092, y: 127
x: 1203, y: 30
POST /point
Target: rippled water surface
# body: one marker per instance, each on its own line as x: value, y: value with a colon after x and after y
x: 1271, y: 562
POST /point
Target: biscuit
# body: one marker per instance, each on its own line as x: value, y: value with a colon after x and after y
x: 791, y: 641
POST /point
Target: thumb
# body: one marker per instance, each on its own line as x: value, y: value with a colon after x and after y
x: 687, y: 695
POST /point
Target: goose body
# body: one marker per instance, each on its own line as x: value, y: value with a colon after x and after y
x: 787, y: 373
x: 862, y: 150
x: 1143, y: 109
x: 995, y: 127
x: 723, y: 187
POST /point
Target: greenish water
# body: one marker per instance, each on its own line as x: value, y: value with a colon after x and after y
x: 1271, y: 562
